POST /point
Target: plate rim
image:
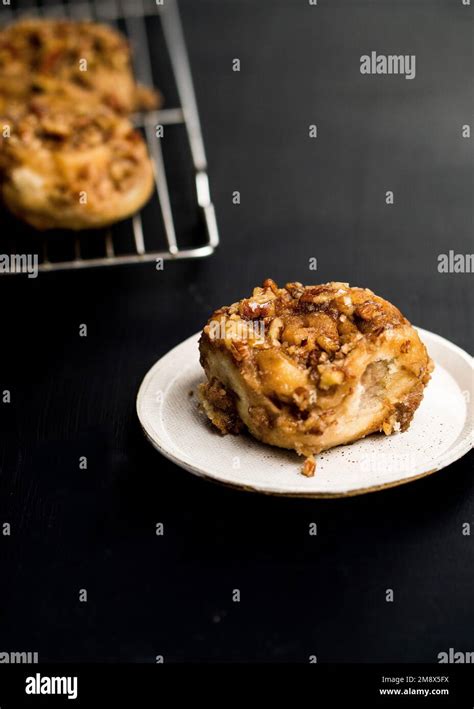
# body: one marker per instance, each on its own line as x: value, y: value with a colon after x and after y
x: 464, y: 446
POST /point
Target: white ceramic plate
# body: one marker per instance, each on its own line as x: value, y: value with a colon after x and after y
x: 441, y: 432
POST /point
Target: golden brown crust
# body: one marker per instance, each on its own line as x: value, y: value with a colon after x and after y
x: 313, y: 367
x: 77, y: 60
x: 72, y: 166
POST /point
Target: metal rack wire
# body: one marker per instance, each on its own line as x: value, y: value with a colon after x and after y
x: 133, y: 14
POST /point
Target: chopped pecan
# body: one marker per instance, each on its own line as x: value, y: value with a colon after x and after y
x: 270, y: 283
x: 317, y: 294
x: 275, y: 330
x: 309, y: 467
x: 240, y: 350
x: 251, y: 310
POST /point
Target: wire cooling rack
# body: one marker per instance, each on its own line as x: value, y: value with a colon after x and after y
x: 154, y: 233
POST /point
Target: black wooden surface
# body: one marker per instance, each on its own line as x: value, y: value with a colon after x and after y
x: 94, y: 529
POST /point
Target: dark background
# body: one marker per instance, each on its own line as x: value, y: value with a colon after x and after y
x: 301, y: 198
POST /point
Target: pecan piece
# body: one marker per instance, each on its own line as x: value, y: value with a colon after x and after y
x: 309, y: 466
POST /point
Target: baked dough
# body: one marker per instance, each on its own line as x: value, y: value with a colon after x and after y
x: 77, y: 60
x: 72, y: 166
x: 310, y: 368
